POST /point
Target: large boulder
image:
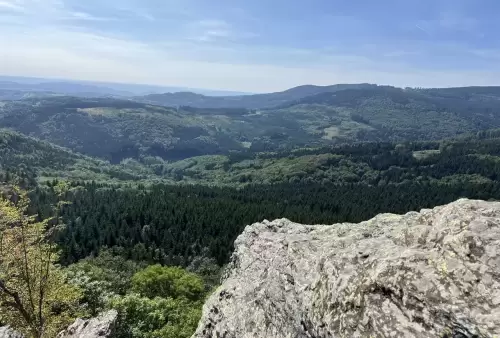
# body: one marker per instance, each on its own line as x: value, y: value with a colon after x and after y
x: 430, y: 274
x: 101, y: 326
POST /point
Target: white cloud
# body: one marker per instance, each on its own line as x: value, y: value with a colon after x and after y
x: 11, y: 5
x: 85, y: 16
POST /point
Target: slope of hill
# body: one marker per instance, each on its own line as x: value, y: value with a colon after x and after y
x: 115, y: 129
x: 30, y: 158
x: 472, y: 159
x: 393, y: 113
x: 243, y: 101
x: 214, y: 196
x: 13, y: 94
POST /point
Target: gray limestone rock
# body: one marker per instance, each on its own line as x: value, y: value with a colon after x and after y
x: 7, y: 332
x: 100, y: 326
x: 430, y: 274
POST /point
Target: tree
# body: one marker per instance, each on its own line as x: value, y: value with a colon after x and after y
x: 142, y: 317
x: 35, y: 298
x: 161, y: 281
x: 207, y: 269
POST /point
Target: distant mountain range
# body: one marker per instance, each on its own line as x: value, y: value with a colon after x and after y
x: 255, y: 101
x: 14, y: 88
x: 116, y: 129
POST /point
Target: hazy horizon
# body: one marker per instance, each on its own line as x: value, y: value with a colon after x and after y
x: 142, y: 88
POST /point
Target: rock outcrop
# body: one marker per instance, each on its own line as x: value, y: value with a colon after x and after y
x: 430, y: 274
x: 101, y: 326
x: 7, y: 332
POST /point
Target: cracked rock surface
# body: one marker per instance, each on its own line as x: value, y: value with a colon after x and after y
x: 434, y: 273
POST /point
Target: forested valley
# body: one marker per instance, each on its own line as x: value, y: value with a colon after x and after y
x: 148, y: 233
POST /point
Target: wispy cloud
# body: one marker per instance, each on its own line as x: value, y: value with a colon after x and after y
x: 86, y: 16
x: 451, y: 17
x: 423, y: 29
x: 135, y: 12
x: 211, y: 30
x: 11, y: 5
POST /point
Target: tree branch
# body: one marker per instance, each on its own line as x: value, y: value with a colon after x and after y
x: 17, y: 303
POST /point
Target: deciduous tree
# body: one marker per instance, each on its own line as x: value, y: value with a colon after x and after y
x: 34, y: 296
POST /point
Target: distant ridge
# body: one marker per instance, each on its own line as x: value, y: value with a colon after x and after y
x: 255, y: 101
x: 45, y: 87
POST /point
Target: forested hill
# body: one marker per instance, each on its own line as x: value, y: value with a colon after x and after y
x: 115, y: 130
x: 175, y: 224
x: 471, y: 157
x: 111, y: 221
x: 27, y: 159
x: 272, y: 100
x: 268, y: 100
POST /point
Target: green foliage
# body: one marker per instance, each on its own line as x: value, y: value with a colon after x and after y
x: 95, y: 293
x: 35, y: 297
x: 142, y: 317
x: 26, y: 158
x: 101, y: 278
x: 174, y: 282
x: 153, y: 302
x: 266, y: 164
x: 176, y: 225
x: 110, y: 273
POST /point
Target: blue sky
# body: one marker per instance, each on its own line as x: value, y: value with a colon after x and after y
x: 254, y: 46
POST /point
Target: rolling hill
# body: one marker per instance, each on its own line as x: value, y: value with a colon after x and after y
x: 244, y: 101
x: 28, y: 158
x: 115, y: 130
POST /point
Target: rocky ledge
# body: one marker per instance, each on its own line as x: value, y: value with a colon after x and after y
x: 430, y: 274
x: 99, y: 327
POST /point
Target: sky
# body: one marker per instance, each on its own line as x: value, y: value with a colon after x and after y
x: 253, y: 46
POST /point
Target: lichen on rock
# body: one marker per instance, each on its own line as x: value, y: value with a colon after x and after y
x: 434, y: 273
